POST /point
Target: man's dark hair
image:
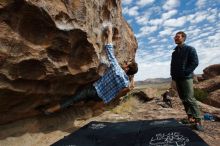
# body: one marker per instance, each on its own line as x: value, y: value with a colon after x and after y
x: 133, y: 68
x: 183, y: 34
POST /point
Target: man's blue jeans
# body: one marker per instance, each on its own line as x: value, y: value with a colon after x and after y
x: 87, y: 93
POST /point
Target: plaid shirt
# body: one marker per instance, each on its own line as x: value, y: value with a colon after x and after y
x: 113, y: 81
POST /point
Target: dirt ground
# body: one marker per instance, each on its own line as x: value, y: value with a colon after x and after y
x: 46, y: 130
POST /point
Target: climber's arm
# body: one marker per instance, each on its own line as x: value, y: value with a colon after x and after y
x: 123, y: 92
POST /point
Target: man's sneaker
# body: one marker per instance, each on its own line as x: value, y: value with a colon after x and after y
x: 199, y: 127
x: 184, y: 121
x: 190, y: 120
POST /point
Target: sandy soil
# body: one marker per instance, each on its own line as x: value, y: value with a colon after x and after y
x: 45, y: 130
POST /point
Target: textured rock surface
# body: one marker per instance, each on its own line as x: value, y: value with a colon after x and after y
x: 211, y: 84
x: 211, y: 71
x: 49, y: 49
x: 214, y: 99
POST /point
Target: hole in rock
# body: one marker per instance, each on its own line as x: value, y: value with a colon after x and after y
x: 31, y: 22
x: 29, y: 69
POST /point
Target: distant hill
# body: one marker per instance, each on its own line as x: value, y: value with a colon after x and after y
x: 153, y: 81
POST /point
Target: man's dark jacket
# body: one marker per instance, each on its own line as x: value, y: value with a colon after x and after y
x: 183, y: 63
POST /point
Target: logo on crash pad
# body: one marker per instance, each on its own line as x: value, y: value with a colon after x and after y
x: 169, y: 139
x: 97, y: 126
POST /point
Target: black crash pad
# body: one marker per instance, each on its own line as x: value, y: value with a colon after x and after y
x: 166, y: 132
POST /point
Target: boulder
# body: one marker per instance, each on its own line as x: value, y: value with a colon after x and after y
x: 146, y: 95
x: 213, y: 99
x: 49, y: 49
x: 209, y: 85
x: 211, y: 71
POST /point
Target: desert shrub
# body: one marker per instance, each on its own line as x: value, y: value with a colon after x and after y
x: 200, y: 94
x: 127, y: 106
x: 126, y: 97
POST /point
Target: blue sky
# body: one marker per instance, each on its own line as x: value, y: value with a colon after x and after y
x: 155, y: 22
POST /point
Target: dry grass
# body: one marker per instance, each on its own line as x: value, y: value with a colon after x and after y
x: 131, y: 104
x: 127, y: 106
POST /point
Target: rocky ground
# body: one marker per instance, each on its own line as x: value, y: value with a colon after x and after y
x: 45, y: 130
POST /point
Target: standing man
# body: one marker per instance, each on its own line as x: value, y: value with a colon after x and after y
x: 114, y: 83
x: 183, y: 63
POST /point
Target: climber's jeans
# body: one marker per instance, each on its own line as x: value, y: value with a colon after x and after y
x: 87, y: 93
x: 186, y: 94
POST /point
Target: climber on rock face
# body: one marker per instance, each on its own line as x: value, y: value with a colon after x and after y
x: 114, y: 83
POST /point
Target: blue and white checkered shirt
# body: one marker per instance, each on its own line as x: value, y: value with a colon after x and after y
x: 114, y: 80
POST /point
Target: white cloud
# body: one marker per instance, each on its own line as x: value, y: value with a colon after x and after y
x: 152, y: 40
x: 179, y: 22
x: 171, y: 4
x: 144, y: 2
x: 143, y: 20
x: 169, y: 14
x: 205, y: 59
x: 130, y: 21
x: 190, y: 17
x: 211, y: 18
x: 208, y: 50
x: 192, y: 27
x: 201, y: 3
x: 204, y: 34
x: 151, y: 70
x: 214, y: 40
x: 164, y: 40
x: 193, y: 34
x: 125, y: 10
x: 146, y: 30
x: 166, y: 32
x: 214, y: 11
x: 199, y: 17
x: 152, y: 66
x: 133, y: 11
x: 207, y: 54
x: 155, y: 10
x: 126, y: 2
x: 156, y: 21
x: 210, y: 15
